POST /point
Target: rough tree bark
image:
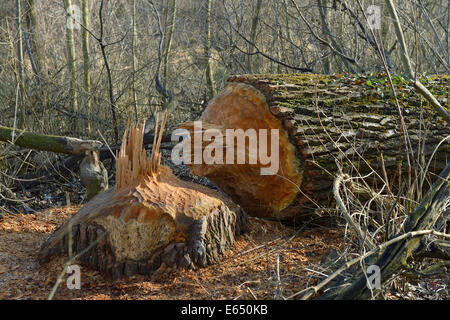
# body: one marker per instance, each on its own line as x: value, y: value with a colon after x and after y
x: 33, y: 37
x: 153, y: 221
x: 322, y: 121
x: 19, y: 65
x: 253, y: 31
x: 86, y: 63
x: 134, y: 61
x: 324, y: 18
x: 169, y: 39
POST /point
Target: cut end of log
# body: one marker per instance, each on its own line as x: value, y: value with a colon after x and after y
x: 242, y: 106
x: 152, y: 219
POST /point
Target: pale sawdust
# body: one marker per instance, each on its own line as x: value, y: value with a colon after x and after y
x: 242, y: 273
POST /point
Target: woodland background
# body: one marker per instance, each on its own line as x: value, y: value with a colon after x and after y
x: 76, y: 81
x: 130, y: 59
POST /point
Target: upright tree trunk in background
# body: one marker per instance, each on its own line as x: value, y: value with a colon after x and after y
x: 87, y: 75
x: 112, y: 103
x: 277, y: 41
x: 324, y: 17
x: 36, y: 50
x: 211, y: 90
x: 20, y: 84
x: 255, y: 21
x: 70, y: 47
x: 448, y: 34
x: 33, y: 34
x: 133, y: 53
x: 169, y: 40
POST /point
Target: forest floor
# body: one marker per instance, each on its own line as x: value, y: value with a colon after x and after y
x: 247, y: 270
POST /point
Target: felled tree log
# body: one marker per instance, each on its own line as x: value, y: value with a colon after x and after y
x: 43, y: 142
x: 322, y: 121
x: 153, y: 220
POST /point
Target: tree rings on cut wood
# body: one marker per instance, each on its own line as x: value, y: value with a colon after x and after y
x: 241, y: 106
x: 153, y: 220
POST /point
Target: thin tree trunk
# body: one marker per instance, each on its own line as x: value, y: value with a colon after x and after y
x: 20, y: 101
x: 448, y: 33
x: 169, y: 40
x: 86, y: 66
x: 134, y: 59
x: 324, y: 17
x: 33, y: 36
x: 333, y: 45
x: 277, y: 41
x: 253, y: 29
x: 211, y: 90
x: 71, y: 56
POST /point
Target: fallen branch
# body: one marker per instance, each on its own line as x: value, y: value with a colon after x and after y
x: 43, y: 142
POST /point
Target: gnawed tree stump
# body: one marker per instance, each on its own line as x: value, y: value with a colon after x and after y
x: 322, y: 121
x: 153, y: 220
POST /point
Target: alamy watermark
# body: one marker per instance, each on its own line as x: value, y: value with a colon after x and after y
x: 373, y: 277
x: 73, y: 17
x: 223, y: 150
x: 374, y: 17
x: 73, y: 281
